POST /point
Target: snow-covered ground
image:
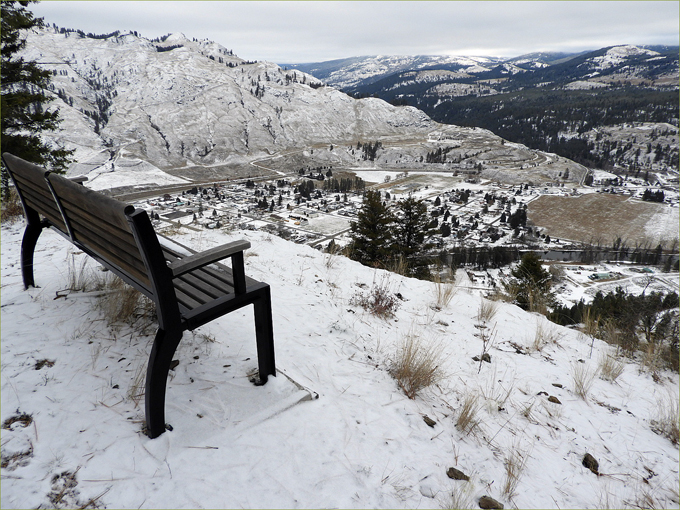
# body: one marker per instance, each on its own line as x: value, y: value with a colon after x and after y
x: 362, y: 443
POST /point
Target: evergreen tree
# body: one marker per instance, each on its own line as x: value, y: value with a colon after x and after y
x: 372, y: 238
x: 24, y: 115
x: 413, y: 230
x: 531, y: 283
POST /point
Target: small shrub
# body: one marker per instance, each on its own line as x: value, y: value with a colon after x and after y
x: 417, y: 365
x: 380, y: 301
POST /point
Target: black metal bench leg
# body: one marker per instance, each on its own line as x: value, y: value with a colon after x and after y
x: 163, y: 349
x: 264, y: 333
x: 28, y: 243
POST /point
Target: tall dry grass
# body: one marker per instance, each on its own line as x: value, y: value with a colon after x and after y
x: 467, y: 419
x: 443, y: 292
x: 583, y: 378
x: 417, y: 364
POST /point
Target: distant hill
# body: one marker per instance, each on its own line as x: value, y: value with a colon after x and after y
x: 545, y: 101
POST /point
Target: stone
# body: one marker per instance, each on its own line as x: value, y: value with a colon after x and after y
x: 590, y: 462
x: 554, y: 400
x: 489, y: 503
x: 457, y: 474
x: 430, y: 422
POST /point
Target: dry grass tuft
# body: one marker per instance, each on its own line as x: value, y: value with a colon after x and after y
x: 443, y: 292
x: 487, y: 311
x: 11, y: 208
x: 544, y: 335
x: 417, y: 364
x: 467, y: 419
x: 583, y: 379
x: 667, y: 423
x: 123, y: 304
x: 398, y: 265
x: 82, y: 278
x: 610, y: 366
x: 137, y: 388
x: 460, y: 497
x: 515, y: 462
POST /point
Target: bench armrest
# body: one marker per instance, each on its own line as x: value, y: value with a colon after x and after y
x: 191, y: 262
x: 78, y: 179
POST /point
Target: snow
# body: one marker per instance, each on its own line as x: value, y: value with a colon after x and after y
x: 362, y: 443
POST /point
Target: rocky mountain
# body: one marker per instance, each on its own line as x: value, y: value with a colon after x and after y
x: 138, y: 111
x: 177, y: 102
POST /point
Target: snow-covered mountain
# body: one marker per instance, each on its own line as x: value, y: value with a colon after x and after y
x: 355, y: 71
x: 362, y: 74
x: 179, y: 102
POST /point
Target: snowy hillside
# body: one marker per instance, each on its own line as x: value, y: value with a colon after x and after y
x: 515, y: 424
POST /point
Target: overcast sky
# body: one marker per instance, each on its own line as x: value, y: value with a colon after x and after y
x: 314, y: 31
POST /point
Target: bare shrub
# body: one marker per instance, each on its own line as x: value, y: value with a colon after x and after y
x: 583, y: 379
x: 11, y: 207
x: 417, y: 364
x: 610, y: 366
x: 666, y: 422
x: 467, y: 419
x: 380, y: 301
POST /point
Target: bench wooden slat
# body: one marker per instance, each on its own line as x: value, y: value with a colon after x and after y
x: 38, y: 197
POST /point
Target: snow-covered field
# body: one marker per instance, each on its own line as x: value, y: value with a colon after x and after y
x: 362, y: 443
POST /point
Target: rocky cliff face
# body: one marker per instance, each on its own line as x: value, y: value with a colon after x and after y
x: 181, y: 102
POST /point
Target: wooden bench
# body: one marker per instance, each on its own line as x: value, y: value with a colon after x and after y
x: 189, y: 290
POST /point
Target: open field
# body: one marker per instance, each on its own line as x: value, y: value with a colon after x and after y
x: 604, y: 217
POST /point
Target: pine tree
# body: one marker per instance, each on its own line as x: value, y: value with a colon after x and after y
x: 372, y: 238
x: 24, y: 115
x: 412, y: 232
x: 531, y: 283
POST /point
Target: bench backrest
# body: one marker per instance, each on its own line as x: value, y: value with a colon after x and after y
x: 99, y: 225
x: 115, y: 234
